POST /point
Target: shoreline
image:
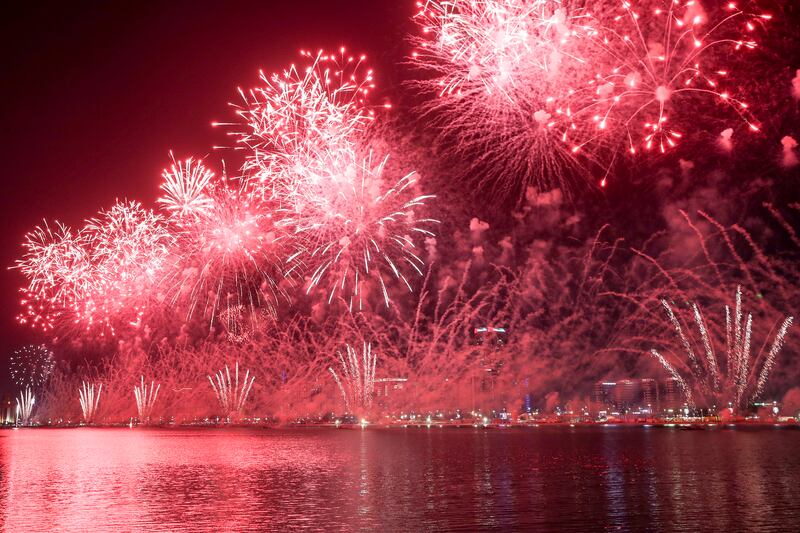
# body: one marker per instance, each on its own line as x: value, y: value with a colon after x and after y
x: 681, y: 425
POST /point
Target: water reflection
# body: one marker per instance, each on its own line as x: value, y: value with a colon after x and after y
x: 430, y: 479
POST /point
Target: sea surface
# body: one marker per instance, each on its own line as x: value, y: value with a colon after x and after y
x: 436, y: 479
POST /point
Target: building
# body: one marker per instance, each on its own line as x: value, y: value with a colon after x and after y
x: 673, y: 395
x: 489, y: 336
x: 388, y: 388
x: 487, y: 358
x: 603, y: 394
x: 626, y: 395
x: 650, y: 396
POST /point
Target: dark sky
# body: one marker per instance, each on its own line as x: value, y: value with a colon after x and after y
x: 95, y: 94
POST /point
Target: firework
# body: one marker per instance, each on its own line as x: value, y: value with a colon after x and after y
x: 230, y: 253
x: 89, y: 400
x: 736, y: 380
x: 660, y: 64
x: 230, y: 395
x: 58, y: 269
x: 54, y: 261
x: 496, y: 73
x: 145, y: 399
x: 357, y: 379
x: 185, y: 187
x: 31, y: 365
x: 95, y: 279
x: 25, y: 404
x: 496, y: 47
x: 298, y: 119
x: 129, y: 246
x: 358, y: 228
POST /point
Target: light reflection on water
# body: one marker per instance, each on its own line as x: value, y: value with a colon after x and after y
x: 428, y: 479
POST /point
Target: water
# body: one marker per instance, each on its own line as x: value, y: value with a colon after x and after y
x: 575, y: 479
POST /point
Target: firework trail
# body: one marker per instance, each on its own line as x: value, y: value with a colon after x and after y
x: 687, y: 391
x: 230, y: 395
x: 25, y: 404
x: 145, y: 399
x: 659, y: 65
x: 496, y: 74
x: 736, y: 380
x: 31, y: 365
x: 359, y: 228
x: 89, y: 400
x: 357, y: 379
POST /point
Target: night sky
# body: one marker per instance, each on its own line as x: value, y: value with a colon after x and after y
x: 96, y: 94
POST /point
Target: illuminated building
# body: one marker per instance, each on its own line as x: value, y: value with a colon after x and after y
x: 626, y: 395
x: 489, y: 335
x: 386, y: 387
x: 604, y: 394
x: 650, y: 397
x: 673, y: 397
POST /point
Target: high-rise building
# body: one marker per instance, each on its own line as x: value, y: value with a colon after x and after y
x: 628, y: 394
x: 603, y: 396
x: 489, y: 335
x: 388, y: 387
x: 673, y: 395
x: 650, y: 397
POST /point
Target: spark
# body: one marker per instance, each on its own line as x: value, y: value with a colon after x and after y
x: 229, y: 253
x: 359, y: 228
x: 31, y: 365
x: 25, y: 404
x: 185, y: 187
x: 98, y: 278
x: 296, y: 120
x: 89, y: 400
x: 736, y: 380
x: 496, y: 73
x: 357, y: 379
x: 659, y: 64
x: 230, y: 395
x: 145, y: 399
